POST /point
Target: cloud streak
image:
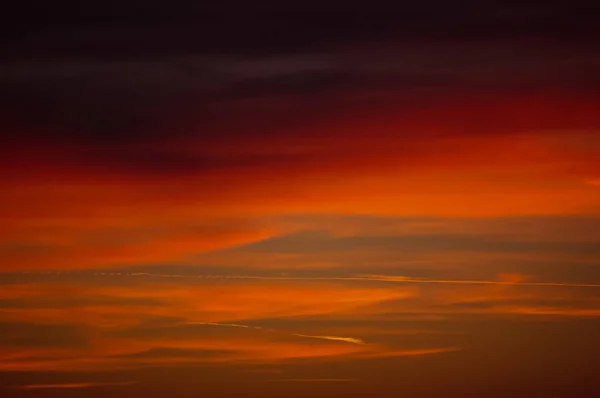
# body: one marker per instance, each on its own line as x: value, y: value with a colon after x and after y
x: 351, y: 340
x: 410, y: 353
x: 74, y: 385
x: 362, y: 278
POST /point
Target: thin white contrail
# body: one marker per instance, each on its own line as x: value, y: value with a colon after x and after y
x: 365, y: 278
x: 361, y: 278
x: 351, y: 340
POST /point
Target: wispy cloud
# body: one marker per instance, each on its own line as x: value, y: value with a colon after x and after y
x: 333, y: 338
x: 409, y: 353
x: 75, y: 385
x: 361, y: 277
x: 403, y: 279
x: 351, y: 340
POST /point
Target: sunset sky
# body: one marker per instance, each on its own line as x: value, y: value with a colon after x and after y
x: 299, y: 200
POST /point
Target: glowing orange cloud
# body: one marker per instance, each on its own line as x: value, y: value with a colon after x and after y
x: 474, y: 157
x: 225, y: 320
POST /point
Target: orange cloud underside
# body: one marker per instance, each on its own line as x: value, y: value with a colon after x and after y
x: 207, y: 322
x: 302, y: 247
x: 473, y: 157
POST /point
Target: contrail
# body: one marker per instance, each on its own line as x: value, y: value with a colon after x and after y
x: 351, y: 340
x: 333, y: 338
x: 402, y: 279
x: 363, y: 278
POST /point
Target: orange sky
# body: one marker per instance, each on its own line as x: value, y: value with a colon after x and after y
x: 405, y: 217
x: 267, y: 267
x: 78, y: 218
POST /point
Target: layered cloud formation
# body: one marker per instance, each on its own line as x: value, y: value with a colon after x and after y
x: 198, y: 200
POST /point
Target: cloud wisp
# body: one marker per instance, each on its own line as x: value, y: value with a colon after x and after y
x: 351, y: 340
x: 362, y: 278
x: 74, y: 385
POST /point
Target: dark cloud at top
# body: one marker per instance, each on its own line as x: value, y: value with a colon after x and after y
x: 238, y: 26
x: 117, y: 74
